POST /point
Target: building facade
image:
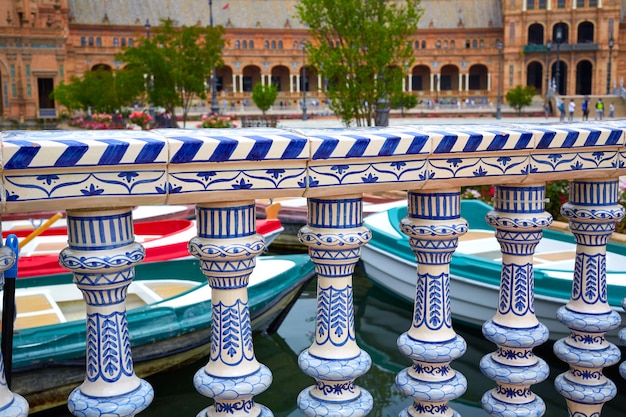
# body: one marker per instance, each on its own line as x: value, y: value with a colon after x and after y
x: 466, y: 51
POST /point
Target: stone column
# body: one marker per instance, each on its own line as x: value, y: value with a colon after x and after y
x: 334, y: 234
x: 519, y: 219
x: 11, y: 404
x: 592, y: 210
x: 227, y: 246
x: 102, y: 253
x: 433, y: 225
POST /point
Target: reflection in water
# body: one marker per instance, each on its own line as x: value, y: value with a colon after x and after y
x: 379, y: 318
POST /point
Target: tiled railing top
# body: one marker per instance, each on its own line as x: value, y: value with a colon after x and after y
x: 67, y: 169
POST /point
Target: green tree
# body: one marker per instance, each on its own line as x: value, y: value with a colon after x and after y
x: 520, y: 97
x: 403, y: 101
x: 101, y: 91
x: 264, y: 96
x: 360, y: 46
x: 177, y: 63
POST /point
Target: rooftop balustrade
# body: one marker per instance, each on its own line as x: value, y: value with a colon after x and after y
x: 91, y: 174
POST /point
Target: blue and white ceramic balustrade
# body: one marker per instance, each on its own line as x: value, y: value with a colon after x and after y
x: 82, y: 171
x: 101, y: 254
x: 334, y: 235
x: 227, y: 246
x: 434, y: 225
x: 11, y: 404
x: 593, y: 210
x: 519, y: 219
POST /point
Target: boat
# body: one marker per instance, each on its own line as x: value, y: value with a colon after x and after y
x: 169, y: 319
x: 476, y: 266
x: 162, y: 239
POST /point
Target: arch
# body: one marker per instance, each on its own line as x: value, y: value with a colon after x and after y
x: 310, y: 84
x: 584, y: 77
x: 279, y: 76
x: 251, y: 74
x: 420, y: 78
x: 585, y: 32
x: 101, y: 67
x: 534, y: 75
x: 478, y: 75
x: 449, y: 78
x: 536, y: 34
x: 564, y: 32
x: 224, y: 79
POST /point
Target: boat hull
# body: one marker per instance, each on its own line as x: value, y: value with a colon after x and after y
x: 474, y: 280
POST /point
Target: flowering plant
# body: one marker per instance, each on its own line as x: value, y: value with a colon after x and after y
x: 141, y: 119
x: 216, y: 121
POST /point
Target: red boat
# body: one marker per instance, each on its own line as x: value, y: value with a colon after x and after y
x: 163, y: 240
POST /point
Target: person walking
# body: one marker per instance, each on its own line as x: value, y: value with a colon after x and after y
x: 571, y: 108
x: 599, y: 109
x: 561, y: 110
x: 611, y: 110
x: 585, y: 108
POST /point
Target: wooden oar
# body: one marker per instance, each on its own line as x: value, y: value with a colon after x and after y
x: 8, y: 311
x: 40, y: 229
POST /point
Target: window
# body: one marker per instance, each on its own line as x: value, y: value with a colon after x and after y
x: 416, y: 83
x: 123, y: 42
x: 251, y: 44
x: 246, y: 83
x: 593, y: 3
x: 90, y: 41
x: 423, y: 44
x: 468, y: 44
x: 267, y: 45
x: 482, y: 43
x: 273, y: 44
x: 244, y: 44
x: 130, y: 41
x: 297, y: 46
x: 438, y: 44
x: 474, y: 44
x: 416, y: 45
x: 580, y: 3
x: 98, y: 41
x: 83, y: 41
x: 116, y: 42
x: 560, y: 4
x: 237, y: 44
x: 542, y: 4
x: 452, y: 44
x: 530, y: 4
x: 280, y: 44
x: 445, y: 44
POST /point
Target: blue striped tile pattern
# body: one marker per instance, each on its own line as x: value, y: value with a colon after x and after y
x: 100, y: 232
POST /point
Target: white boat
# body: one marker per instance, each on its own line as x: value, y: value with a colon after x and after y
x: 476, y: 268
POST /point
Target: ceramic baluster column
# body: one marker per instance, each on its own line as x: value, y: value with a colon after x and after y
x: 519, y: 219
x: 227, y: 246
x: 11, y: 404
x: 593, y: 210
x: 102, y: 253
x: 334, y: 234
x: 433, y: 225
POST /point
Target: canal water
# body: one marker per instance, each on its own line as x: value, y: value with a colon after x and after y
x: 379, y: 319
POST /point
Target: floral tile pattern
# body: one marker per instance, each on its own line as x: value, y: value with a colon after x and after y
x: 41, y: 168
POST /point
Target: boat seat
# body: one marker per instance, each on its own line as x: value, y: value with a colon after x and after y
x: 35, y: 310
x: 169, y: 289
x: 555, y: 256
x: 473, y: 235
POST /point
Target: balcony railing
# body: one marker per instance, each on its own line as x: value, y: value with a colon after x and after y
x: 564, y: 47
x: 223, y: 171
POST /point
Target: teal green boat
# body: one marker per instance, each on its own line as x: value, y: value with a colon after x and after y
x: 476, y: 266
x: 169, y: 319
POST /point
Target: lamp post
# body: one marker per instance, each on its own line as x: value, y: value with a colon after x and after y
x: 547, y: 87
x: 303, y: 83
x: 499, y: 46
x: 215, y: 108
x: 436, y: 91
x: 151, y: 78
x: 608, y: 71
x: 559, y: 35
